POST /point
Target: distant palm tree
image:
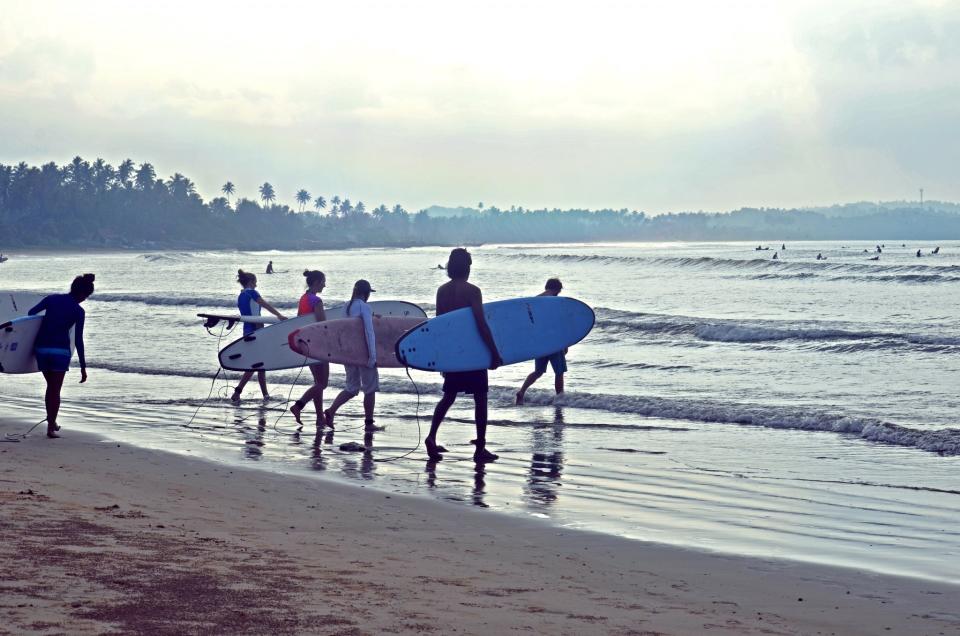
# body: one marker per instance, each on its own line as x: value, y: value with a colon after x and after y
x: 124, y: 172
x: 380, y: 212
x: 267, y: 194
x: 319, y: 203
x: 346, y: 207
x: 145, y: 176
x: 398, y: 209
x: 180, y: 186
x: 361, y: 208
x: 303, y: 198
x: 228, y: 189
x: 335, y: 205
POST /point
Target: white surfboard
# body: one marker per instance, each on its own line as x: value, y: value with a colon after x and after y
x: 268, y: 349
x: 14, y: 304
x: 16, y: 344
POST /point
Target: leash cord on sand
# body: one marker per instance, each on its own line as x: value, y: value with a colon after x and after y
x: 419, y: 430
x: 19, y: 437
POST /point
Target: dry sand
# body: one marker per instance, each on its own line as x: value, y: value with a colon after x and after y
x: 98, y: 537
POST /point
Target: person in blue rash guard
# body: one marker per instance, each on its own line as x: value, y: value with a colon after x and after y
x: 52, y: 345
x: 249, y: 303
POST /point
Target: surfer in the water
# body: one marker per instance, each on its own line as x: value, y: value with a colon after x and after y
x: 310, y: 303
x: 557, y: 360
x: 249, y: 303
x: 365, y: 378
x: 52, y: 345
x: 458, y: 294
x: 270, y: 267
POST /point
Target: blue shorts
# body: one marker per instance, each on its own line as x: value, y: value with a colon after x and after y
x: 557, y: 360
x: 52, y: 359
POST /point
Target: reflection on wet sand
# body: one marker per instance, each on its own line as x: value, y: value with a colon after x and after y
x: 546, y: 464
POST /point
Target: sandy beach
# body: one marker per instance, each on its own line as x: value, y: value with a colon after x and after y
x: 102, y: 537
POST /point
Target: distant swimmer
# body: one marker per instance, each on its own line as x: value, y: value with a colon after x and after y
x: 820, y: 256
x: 270, y: 267
x: 875, y: 258
x: 783, y: 246
x: 879, y: 251
x: 441, y: 267
x: 776, y: 256
x: 936, y: 251
x: 918, y: 254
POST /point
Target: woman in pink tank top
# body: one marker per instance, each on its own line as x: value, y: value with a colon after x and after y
x: 310, y: 303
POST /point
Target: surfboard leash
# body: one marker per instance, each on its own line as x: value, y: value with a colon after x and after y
x: 419, y: 429
x: 19, y: 437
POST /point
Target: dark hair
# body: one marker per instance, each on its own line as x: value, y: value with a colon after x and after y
x: 313, y: 275
x: 360, y: 288
x: 458, y: 265
x: 82, y: 285
x: 553, y: 284
x: 245, y: 278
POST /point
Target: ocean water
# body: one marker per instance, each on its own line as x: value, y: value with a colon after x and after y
x: 725, y: 401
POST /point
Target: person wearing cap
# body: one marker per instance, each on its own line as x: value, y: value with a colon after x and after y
x: 360, y: 378
x: 557, y: 360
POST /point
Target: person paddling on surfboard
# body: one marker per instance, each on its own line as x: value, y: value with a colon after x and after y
x: 52, y: 345
x: 270, y: 267
x: 458, y: 294
x: 310, y: 303
x: 249, y: 303
x: 557, y: 360
x: 365, y: 378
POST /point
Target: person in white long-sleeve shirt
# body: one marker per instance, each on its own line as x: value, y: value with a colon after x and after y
x: 360, y: 378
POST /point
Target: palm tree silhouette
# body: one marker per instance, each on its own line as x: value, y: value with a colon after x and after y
x: 228, y: 189
x: 335, y: 205
x: 267, y: 195
x: 124, y: 171
x: 380, y: 212
x: 319, y: 203
x: 361, y: 208
x: 303, y: 198
x: 145, y: 176
x: 398, y: 209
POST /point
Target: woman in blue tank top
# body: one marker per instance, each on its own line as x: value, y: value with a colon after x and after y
x: 52, y: 346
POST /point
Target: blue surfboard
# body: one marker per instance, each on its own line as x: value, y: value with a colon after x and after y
x: 522, y: 328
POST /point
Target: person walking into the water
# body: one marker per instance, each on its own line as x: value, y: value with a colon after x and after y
x: 249, y: 303
x: 270, y: 267
x: 311, y: 304
x: 557, y: 360
x: 360, y: 378
x: 453, y: 295
x: 52, y: 344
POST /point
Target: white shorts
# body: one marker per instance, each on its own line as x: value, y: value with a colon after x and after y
x: 362, y: 378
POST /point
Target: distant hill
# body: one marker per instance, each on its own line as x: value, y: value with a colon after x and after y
x: 868, y: 208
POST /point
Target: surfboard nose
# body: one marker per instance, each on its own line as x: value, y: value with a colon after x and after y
x: 293, y: 340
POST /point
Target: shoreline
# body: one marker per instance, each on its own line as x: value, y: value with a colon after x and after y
x: 185, y: 544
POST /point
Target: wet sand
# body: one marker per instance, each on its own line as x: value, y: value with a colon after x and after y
x: 104, y: 537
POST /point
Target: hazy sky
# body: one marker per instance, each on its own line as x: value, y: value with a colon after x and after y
x: 647, y: 105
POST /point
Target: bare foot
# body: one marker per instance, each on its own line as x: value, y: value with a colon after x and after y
x: 235, y: 397
x: 52, y: 433
x: 295, y: 409
x: 433, y: 451
x: 482, y: 456
x: 328, y: 416
x: 266, y: 397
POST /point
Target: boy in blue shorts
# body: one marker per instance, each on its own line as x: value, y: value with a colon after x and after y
x: 557, y: 360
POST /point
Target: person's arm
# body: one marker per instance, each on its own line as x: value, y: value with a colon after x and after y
x: 318, y: 311
x: 78, y: 341
x: 367, y: 316
x: 263, y: 303
x: 476, y: 304
x: 40, y: 306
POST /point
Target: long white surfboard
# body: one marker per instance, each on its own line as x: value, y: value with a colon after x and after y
x: 16, y: 344
x: 268, y: 349
x: 14, y: 304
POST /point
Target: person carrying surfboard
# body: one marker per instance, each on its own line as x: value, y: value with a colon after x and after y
x: 310, y: 303
x: 453, y: 295
x: 557, y: 360
x: 360, y: 378
x: 52, y: 345
x: 249, y: 303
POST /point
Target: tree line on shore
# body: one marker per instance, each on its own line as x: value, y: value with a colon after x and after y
x: 83, y: 204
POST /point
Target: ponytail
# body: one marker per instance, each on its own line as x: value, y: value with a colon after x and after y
x: 82, y: 285
x: 245, y: 278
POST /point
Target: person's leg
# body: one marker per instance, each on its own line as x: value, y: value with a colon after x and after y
x: 351, y: 387
x: 533, y: 377
x: 440, y: 412
x: 559, y: 363
x: 342, y: 398
x: 314, y: 393
x: 242, y: 383
x: 262, y: 379
x: 52, y: 399
x: 558, y: 383
x: 481, y: 454
x: 369, y: 401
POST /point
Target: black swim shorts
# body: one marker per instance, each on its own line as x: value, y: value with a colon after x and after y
x: 474, y: 382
